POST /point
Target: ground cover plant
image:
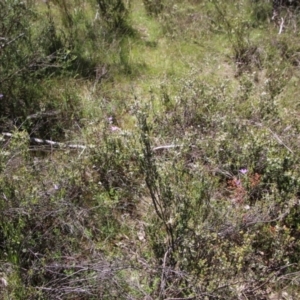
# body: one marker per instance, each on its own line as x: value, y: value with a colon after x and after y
x: 149, y: 150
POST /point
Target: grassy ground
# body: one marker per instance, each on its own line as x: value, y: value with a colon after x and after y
x: 214, y: 214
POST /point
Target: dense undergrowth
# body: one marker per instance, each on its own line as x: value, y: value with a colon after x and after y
x: 185, y: 180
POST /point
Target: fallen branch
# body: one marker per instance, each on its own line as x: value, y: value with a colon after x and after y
x: 77, y: 146
x: 281, y: 26
x: 166, y: 147
x: 43, y: 114
x: 49, y: 142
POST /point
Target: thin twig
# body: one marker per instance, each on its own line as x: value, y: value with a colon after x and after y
x: 166, y: 147
x: 281, y: 26
x: 11, y: 41
x: 163, y: 277
x: 276, y: 137
x: 280, y: 141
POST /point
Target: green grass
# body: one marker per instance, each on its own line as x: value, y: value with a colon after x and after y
x: 122, y: 219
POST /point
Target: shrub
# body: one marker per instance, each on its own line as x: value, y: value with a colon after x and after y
x: 28, y: 59
x: 154, y: 7
x: 115, y: 14
x: 51, y: 227
x: 214, y: 189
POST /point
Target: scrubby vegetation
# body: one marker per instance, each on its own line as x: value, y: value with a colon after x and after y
x: 149, y: 150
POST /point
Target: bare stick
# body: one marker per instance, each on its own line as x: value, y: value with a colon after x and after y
x: 281, y: 25
x: 166, y: 147
x: 49, y: 142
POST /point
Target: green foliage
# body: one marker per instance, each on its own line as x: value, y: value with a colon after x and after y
x: 261, y: 11
x: 16, y: 79
x: 154, y: 7
x: 46, y: 221
x: 38, y: 51
x: 219, y: 217
x: 189, y: 191
x: 236, y: 23
x: 115, y: 168
x: 29, y: 58
x: 115, y: 14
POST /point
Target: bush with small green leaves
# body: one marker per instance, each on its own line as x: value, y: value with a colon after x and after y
x: 115, y: 14
x: 30, y: 56
x: 53, y: 221
x: 115, y: 164
x: 154, y: 7
x: 218, y: 183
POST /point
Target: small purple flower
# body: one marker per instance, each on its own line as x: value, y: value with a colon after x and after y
x: 110, y: 120
x: 115, y: 128
x: 1, y: 96
x: 243, y: 171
